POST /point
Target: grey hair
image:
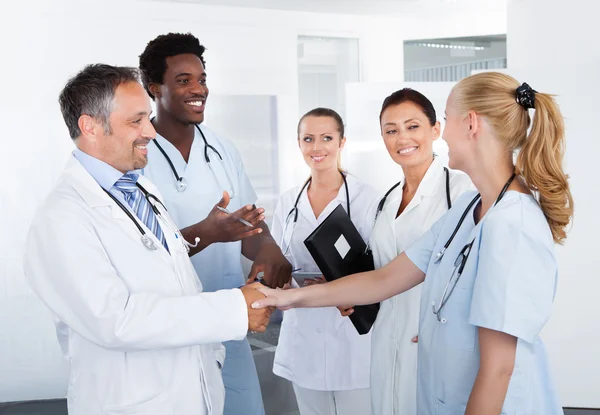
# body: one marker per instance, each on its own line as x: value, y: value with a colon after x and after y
x: 91, y: 92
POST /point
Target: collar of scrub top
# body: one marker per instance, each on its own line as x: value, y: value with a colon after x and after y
x: 381, y: 204
x: 293, y: 213
x: 295, y: 208
x: 181, y: 182
x: 461, y: 260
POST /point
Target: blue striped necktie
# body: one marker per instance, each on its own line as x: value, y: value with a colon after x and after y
x: 140, y: 205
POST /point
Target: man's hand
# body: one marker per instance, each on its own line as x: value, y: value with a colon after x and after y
x: 258, y: 319
x: 222, y: 227
x: 277, y: 270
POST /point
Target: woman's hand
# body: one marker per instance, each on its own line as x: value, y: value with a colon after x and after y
x: 282, y: 299
x: 313, y: 281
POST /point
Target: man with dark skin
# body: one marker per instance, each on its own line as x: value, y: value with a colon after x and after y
x: 194, y: 168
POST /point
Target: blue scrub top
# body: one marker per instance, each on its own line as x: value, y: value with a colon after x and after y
x: 508, y: 285
x: 219, y: 265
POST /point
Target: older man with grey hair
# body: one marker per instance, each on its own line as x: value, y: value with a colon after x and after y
x: 106, y: 259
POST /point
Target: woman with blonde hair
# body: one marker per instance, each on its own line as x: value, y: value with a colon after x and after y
x: 488, y: 266
x: 320, y: 351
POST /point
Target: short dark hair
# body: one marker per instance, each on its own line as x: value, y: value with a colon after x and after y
x: 324, y: 112
x: 153, y: 60
x: 410, y: 95
x: 91, y: 92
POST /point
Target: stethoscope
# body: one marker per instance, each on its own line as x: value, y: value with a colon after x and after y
x: 383, y: 200
x: 292, y: 216
x: 463, y: 256
x: 152, y: 201
x: 381, y: 204
x: 181, y: 182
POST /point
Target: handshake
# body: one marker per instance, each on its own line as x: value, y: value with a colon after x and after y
x: 258, y: 319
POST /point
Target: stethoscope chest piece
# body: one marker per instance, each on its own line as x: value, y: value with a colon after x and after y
x: 441, y: 319
x: 148, y: 243
x: 181, y: 184
x: 440, y: 255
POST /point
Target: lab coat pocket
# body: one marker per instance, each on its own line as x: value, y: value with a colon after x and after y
x: 157, y: 405
x: 443, y: 409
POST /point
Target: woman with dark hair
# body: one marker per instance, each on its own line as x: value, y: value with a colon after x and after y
x: 409, y: 127
x: 319, y: 351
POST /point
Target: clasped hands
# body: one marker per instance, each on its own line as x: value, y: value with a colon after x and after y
x: 258, y: 318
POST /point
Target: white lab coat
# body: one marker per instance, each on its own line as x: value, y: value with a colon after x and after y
x: 319, y: 349
x: 139, y: 335
x: 393, y: 355
x: 218, y: 265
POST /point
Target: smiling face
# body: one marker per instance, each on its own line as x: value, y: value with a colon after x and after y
x: 183, y: 92
x: 124, y: 146
x: 408, y: 134
x: 320, y: 141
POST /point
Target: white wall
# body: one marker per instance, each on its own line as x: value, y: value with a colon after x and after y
x: 249, y: 52
x: 566, y: 62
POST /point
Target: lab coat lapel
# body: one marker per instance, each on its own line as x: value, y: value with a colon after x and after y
x: 339, y: 199
x: 91, y: 192
x: 389, y: 213
x: 306, y: 209
x: 428, y: 186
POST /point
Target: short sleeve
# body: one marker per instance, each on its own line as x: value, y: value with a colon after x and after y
x: 421, y: 251
x: 516, y: 276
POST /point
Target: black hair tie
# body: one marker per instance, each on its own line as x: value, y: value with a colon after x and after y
x: 526, y: 96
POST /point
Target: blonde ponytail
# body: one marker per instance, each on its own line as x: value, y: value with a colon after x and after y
x: 539, y: 161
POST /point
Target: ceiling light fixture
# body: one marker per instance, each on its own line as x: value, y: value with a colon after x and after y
x: 449, y: 46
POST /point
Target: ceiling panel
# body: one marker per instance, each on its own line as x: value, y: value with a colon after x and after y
x: 356, y: 7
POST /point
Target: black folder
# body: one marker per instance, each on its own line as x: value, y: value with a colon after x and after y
x: 339, y: 250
